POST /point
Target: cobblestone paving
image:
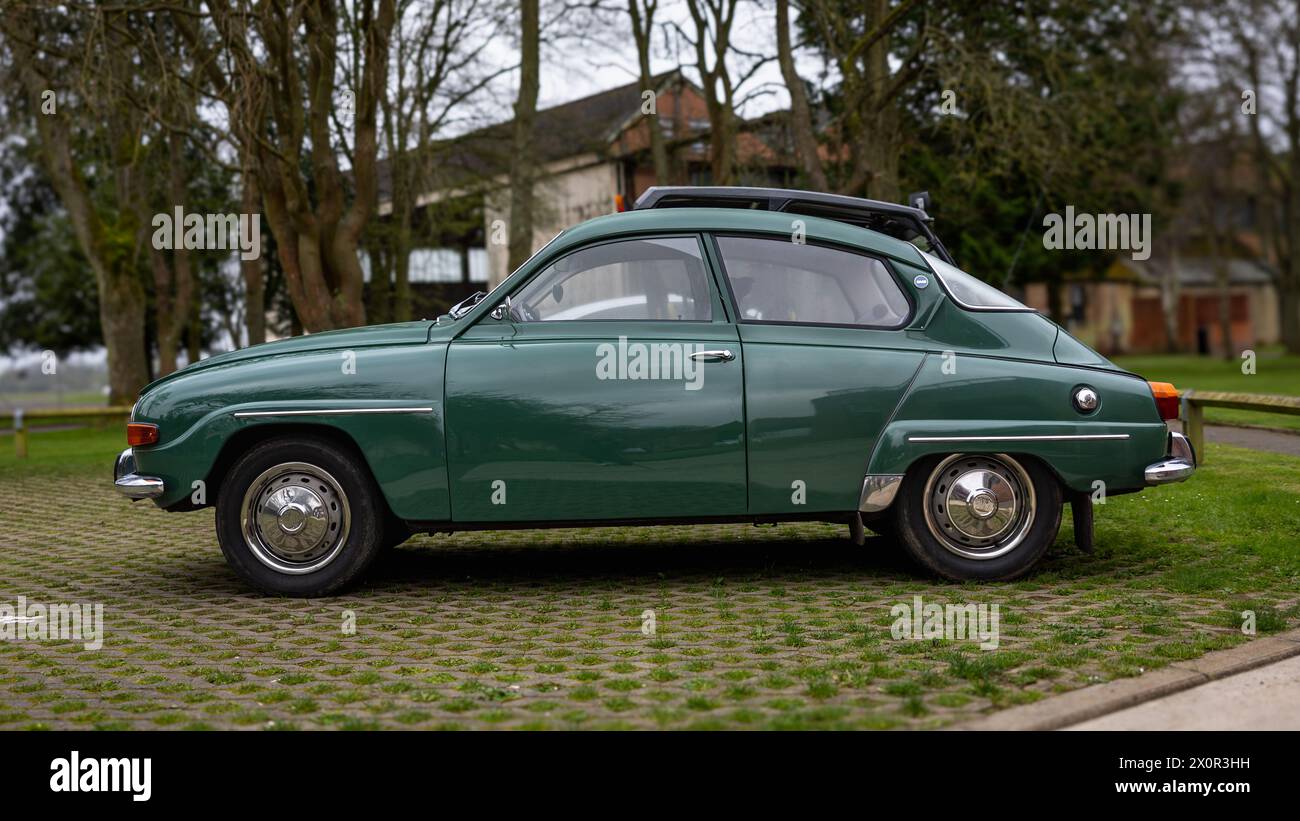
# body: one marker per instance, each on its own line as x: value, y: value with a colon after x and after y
x: 783, y: 627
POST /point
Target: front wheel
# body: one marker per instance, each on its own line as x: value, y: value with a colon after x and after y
x: 978, y: 517
x: 299, y: 517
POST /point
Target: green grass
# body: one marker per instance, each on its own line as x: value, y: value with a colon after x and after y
x: 1275, y: 373
x: 51, y: 399
x: 775, y: 628
x: 64, y: 452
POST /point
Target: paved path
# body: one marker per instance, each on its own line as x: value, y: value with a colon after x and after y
x: 1267, y: 698
x: 1254, y: 438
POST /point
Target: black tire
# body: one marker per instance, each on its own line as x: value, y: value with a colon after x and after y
x: 341, y: 501
x: 1006, y: 555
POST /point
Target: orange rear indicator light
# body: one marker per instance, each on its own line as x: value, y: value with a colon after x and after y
x: 141, y: 433
x: 1166, y: 396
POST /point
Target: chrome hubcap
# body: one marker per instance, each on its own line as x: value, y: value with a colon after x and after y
x: 979, y: 507
x: 295, y: 518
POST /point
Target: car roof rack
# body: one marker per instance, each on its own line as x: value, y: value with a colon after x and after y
x: 903, y: 222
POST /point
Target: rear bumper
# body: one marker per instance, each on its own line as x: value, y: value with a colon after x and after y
x: 129, y: 483
x: 1178, y: 464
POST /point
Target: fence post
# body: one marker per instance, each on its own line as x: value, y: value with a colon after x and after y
x: 20, y: 435
x: 1194, y: 425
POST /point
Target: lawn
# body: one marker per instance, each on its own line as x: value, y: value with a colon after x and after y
x: 781, y: 627
x: 1275, y: 373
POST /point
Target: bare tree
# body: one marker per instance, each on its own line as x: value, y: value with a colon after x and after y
x: 1261, y: 56
x: 642, y: 13
x: 711, y: 39
x: 523, y: 158
x: 275, y: 66
x: 46, y: 49
x: 801, y: 120
x: 437, y: 50
x: 253, y: 271
x: 870, y: 128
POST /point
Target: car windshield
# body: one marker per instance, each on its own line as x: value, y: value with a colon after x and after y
x: 970, y: 292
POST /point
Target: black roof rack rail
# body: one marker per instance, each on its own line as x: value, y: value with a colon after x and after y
x: 887, y: 217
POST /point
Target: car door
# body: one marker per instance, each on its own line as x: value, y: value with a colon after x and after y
x: 610, y: 389
x: 819, y: 326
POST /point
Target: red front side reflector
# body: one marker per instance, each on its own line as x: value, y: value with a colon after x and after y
x: 1166, y: 396
x: 140, y: 433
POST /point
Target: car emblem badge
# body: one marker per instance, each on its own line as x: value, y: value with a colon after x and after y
x: 921, y: 281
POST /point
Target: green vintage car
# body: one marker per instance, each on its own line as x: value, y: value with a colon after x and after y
x: 713, y: 355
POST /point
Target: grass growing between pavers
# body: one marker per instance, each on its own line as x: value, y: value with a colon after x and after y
x: 1275, y: 373
x: 785, y: 627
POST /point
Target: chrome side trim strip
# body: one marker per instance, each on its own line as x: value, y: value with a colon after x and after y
x: 878, y: 491
x: 1065, y: 437
x: 327, y: 412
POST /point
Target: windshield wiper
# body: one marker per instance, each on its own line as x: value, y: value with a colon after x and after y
x: 463, y: 307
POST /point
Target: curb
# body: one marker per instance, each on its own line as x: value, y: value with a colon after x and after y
x: 1098, y: 700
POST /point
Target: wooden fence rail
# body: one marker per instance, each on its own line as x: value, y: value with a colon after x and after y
x: 20, y: 419
x: 1195, y: 402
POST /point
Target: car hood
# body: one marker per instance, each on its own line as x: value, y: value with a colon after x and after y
x: 397, y: 333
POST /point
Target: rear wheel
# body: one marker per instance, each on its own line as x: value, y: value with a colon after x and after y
x: 978, y: 516
x: 299, y: 517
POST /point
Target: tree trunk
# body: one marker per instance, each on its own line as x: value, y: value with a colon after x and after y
x: 122, y: 302
x: 381, y: 291
x: 881, y: 143
x: 172, y: 284
x: 801, y: 126
x: 194, y: 336
x: 642, y: 33
x: 1169, y: 299
x: 1289, y: 308
x: 318, y: 234
x: 1221, y: 277
x: 523, y: 169
x: 253, y: 270
x: 401, y: 262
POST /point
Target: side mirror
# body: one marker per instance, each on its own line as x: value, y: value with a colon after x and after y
x: 505, y: 309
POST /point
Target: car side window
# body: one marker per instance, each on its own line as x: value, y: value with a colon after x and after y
x: 654, y: 278
x: 775, y: 280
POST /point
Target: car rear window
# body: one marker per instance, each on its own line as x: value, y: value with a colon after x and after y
x: 775, y: 280
x: 970, y: 292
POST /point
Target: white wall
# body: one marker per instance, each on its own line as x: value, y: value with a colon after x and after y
x: 572, y: 192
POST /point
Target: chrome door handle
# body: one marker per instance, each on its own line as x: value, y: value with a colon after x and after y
x: 722, y: 356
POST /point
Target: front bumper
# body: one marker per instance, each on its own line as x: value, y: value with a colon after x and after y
x: 1178, y: 464
x: 131, y: 484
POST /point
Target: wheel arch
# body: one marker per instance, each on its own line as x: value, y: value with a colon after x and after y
x: 250, y: 436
